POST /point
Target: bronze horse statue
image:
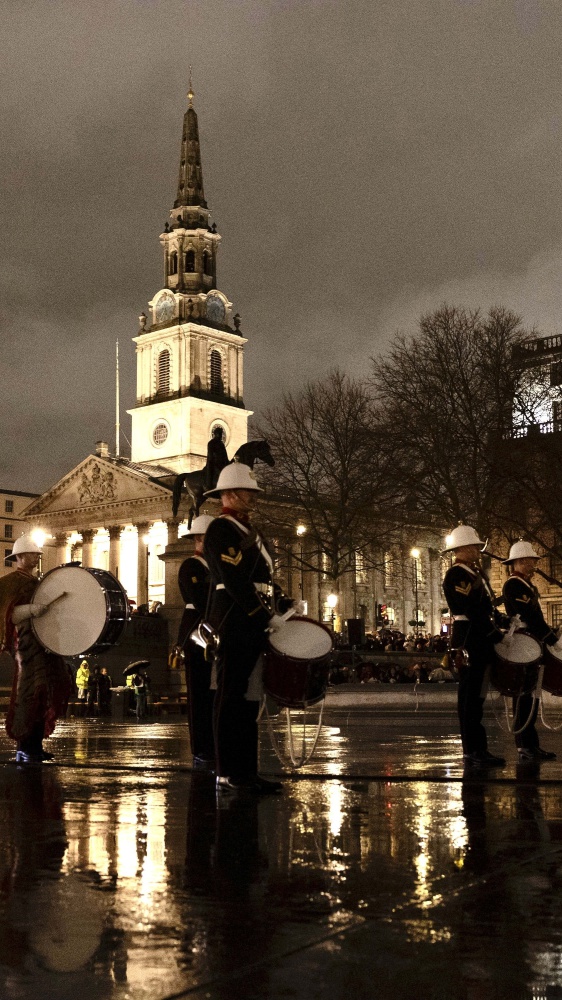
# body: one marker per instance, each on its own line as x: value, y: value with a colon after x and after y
x: 196, y: 483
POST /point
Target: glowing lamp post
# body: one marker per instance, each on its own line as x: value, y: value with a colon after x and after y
x: 331, y: 601
x: 301, y: 532
x: 415, y: 554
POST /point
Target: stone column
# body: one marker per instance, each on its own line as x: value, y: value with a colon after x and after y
x: 114, y: 549
x: 172, y: 525
x: 87, y: 546
x: 142, y: 563
x: 60, y: 548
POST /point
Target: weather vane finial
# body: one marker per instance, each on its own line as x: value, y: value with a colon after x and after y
x: 191, y: 92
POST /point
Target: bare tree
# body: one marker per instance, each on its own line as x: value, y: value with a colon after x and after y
x: 449, y: 394
x: 332, y: 469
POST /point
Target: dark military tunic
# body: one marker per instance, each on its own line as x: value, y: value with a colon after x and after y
x: 521, y: 598
x: 241, y: 577
x: 194, y: 582
x: 475, y: 628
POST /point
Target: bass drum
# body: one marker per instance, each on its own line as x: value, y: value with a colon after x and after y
x: 516, y: 671
x: 88, y: 612
x: 552, y: 674
x: 297, y: 663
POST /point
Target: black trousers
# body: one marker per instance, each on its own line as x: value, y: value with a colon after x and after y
x: 470, y: 707
x: 200, y: 700
x: 235, y: 718
x: 522, y: 708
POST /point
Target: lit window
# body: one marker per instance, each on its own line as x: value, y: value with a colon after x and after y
x: 360, y: 568
x: 163, y: 371
x: 390, y: 569
x: 555, y: 615
x: 9, y: 506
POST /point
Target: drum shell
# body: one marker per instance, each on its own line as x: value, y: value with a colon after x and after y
x: 294, y: 682
x: 512, y: 678
x: 552, y: 674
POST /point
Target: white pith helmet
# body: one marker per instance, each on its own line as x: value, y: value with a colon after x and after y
x: 460, y: 536
x: 235, y: 476
x: 200, y: 524
x: 520, y: 550
x: 25, y: 543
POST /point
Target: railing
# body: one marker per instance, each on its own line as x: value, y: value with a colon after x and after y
x: 541, y: 345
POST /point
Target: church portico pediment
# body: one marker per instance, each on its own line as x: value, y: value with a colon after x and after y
x: 106, y: 489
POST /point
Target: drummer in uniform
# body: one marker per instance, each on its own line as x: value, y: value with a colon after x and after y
x: 475, y: 629
x: 521, y: 598
x: 194, y: 582
x: 242, y: 613
x: 42, y: 682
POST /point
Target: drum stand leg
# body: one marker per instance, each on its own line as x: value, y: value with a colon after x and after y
x: 292, y: 759
x: 554, y: 729
x: 509, y: 726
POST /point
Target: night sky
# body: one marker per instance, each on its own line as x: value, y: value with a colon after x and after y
x: 364, y: 162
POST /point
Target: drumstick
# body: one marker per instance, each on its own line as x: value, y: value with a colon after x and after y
x: 57, y: 598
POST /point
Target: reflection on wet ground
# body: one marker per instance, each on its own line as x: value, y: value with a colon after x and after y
x: 121, y: 877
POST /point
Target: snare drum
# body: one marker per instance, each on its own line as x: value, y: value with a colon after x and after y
x: 297, y: 663
x: 552, y: 675
x: 516, y: 670
x: 89, y: 612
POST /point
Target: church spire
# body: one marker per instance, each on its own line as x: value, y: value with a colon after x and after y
x: 190, y: 183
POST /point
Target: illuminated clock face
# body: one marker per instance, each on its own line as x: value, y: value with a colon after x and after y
x: 165, y: 308
x: 215, y: 309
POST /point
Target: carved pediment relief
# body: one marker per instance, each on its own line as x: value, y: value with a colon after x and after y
x: 97, y: 485
x: 94, y: 483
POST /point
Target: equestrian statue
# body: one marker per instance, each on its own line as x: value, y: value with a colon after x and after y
x: 197, y: 483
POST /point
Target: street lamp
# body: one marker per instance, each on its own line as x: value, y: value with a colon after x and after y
x: 415, y: 554
x: 331, y: 601
x: 301, y: 532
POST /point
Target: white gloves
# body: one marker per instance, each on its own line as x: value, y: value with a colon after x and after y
x: 505, y: 644
x: 25, y: 611
x: 275, y: 622
x: 557, y: 646
x: 299, y: 608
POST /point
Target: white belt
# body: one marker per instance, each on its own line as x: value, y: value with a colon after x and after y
x: 460, y: 618
x: 262, y: 588
x: 190, y: 607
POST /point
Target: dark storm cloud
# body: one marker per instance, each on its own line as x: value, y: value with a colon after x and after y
x: 363, y: 161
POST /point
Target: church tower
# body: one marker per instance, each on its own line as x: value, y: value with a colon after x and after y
x: 190, y: 350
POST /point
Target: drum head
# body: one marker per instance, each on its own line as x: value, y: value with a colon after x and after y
x: 302, y: 639
x: 74, y: 624
x: 524, y: 649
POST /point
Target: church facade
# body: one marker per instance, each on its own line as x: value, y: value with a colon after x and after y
x: 114, y: 512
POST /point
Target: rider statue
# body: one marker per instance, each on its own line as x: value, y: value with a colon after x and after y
x: 217, y: 458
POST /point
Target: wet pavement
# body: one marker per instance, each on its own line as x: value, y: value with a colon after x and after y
x: 381, y: 872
